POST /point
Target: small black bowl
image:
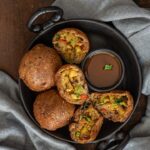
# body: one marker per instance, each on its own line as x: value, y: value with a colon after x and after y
x: 109, y: 52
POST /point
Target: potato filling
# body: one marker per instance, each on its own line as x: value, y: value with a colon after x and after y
x: 85, y: 124
x: 73, y: 84
x: 70, y: 44
x: 116, y: 103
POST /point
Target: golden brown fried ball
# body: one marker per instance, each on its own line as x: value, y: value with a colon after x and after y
x: 38, y: 67
x: 51, y: 111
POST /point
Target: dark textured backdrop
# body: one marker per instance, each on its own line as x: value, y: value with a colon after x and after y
x: 143, y: 3
x: 14, y: 35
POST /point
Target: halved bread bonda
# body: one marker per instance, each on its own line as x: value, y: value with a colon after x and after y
x: 116, y: 105
x: 87, y: 124
x: 52, y: 111
x: 71, y: 84
x: 72, y: 44
x: 38, y: 67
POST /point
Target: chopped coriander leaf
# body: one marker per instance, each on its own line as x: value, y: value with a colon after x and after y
x: 123, y: 104
x: 104, y: 100
x: 73, y: 42
x: 85, y: 105
x: 87, y: 118
x: 78, y: 89
x: 118, y: 100
x: 57, y: 36
x: 107, y: 67
x: 77, y: 134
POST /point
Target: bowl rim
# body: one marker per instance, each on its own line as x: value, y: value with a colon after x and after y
x: 109, y: 52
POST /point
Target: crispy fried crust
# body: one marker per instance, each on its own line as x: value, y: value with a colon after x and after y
x: 72, y: 44
x: 51, y: 111
x: 38, y: 67
x: 116, y: 105
x: 86, y: 126
x: 71, y: 84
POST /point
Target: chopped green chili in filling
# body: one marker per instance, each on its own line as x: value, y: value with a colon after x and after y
x: 77, y: 134
x: 87, y: 118
x: 120, y: 101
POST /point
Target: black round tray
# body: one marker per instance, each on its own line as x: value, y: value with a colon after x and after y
x: 101, y: 36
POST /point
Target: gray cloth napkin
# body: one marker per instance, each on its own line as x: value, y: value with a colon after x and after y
x: 17, y: 132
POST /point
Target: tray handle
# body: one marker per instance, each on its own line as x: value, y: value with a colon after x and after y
x: 114, y: 142
x: 57, y: 16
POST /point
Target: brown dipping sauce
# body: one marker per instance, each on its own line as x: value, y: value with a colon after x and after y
x: 103, y: 70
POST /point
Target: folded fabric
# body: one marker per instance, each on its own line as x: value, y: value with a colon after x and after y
x: 18, y: 132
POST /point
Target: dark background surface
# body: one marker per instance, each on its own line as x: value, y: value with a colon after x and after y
x: 143, y: 3
x: 14, y: 37
x: 14, y: 34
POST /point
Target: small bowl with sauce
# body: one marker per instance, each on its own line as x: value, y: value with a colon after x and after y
x: 104, y: 70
